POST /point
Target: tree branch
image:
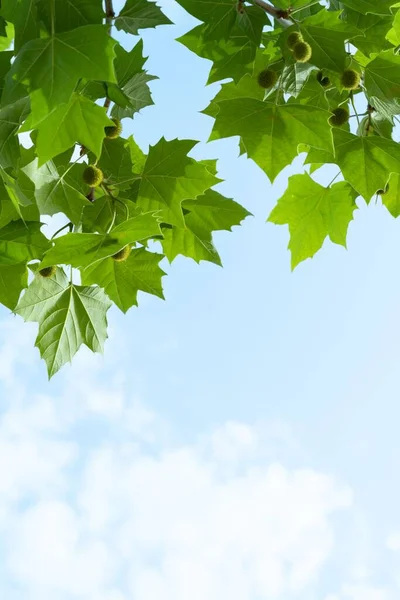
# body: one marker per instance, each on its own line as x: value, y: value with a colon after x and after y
x: 110, y: 14
x: 271, y: 10
x: 280, y: 15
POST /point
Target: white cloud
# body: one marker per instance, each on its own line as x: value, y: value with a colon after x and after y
x: 99, y: 501
x: 366, y: 592
x: 393, y: 541
x: 147, y: 523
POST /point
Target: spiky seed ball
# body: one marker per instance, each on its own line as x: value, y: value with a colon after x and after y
x: 267, y: 78
x: 350, y: 79
x: 302, y: 52
x: 122, y: 254
x: 48, y: 271
x: 113, y: 131
x: 339, y: 117
x: 293, y: 38
x: 324, y: 81
x: 93, y: 176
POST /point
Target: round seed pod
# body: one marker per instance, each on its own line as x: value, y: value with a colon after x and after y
x: 302, y: 52
x: 93, y: 176
x: 267, y: 78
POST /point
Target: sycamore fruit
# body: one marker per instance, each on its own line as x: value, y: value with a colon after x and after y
x: 93, y: 176
x: 48, y: 271
x: 267, y: 78
x: 350, y: 79
x: 113, y: 131
x: 293, y: 38
x: 339, y: 117
x: 122, y: 255
x: 323, y: 80
x: 302, y: 52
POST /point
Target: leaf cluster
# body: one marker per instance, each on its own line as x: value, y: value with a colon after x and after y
x: 301, y: 76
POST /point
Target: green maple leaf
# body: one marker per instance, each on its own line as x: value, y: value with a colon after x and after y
x: 51, y: 67
x: 132, y: 80
x: 219, y: 15
x: 10, y: 208
x: 5, y: 64
x: 70, y: 14
x: 294, y: 78
x: 80, y: 121
x: 127, y: 64
x: 326, y: 34
x: 138, y: 93
x: 391, y: 197
x: 387, y: 109
x: 382, y: 79
x: 370, y: 6
x: 100, y: 214
x: 68, y: 316
x: 23, y: 15
x: 140, y: 14
x: 11, y: 118
x: 393, y: 34
x: 116, y: 162
x: 59, y: 189
x: 13, y: 279
x: 209, y: 212
x: 21, y: 193
x: 233, y: 57
x: 169, y: 176
x: 374, y: 29
x: 252, y: 21
x: 7, y: 40
x: 84, y: 249
x: 314, y: 212
x: 366, y: 162
x: 122, y: 280
x: 21, y: 242
x: 270, y: 133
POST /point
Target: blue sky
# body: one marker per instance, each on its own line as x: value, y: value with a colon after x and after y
x: 238, y: 440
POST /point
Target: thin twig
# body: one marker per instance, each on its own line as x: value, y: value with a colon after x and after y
x: 110, y: 15
x: 354, y: 107
x: 294, y: 10
x: 336, y: 176
x: 69, y: 225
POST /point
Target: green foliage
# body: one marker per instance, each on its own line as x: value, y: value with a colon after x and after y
x: 314, y: 212
x: 292, y: 73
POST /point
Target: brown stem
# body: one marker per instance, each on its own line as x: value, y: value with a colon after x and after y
x: 277, y: 13
x: 110, y: 14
